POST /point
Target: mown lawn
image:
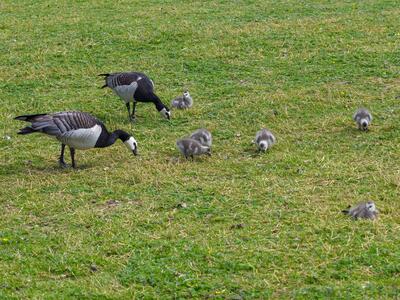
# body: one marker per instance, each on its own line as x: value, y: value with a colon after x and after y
x: 255, y: 226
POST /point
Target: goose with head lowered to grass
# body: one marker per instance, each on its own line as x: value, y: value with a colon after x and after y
x: 134, y: 87
x: 77, y: 130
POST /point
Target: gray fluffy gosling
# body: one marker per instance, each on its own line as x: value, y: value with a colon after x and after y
x: 182, y: 102
x: 203, y: 136
x: 264, y: 139
x: 190, y: 147
x: 363, y: 118
x: 366, y: 210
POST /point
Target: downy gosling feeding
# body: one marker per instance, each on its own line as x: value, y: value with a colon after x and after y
x: 365, y: 210
x: 190, y: 147
x: 182, y: 102
x: 77, y: 130
x: 363, y: 118
x: 264, y: 139
x: 203, y: 136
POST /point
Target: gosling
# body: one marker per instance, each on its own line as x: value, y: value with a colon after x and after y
x: 363, y: 118
x: 183, y: 102
x: 203, y: 136
x: 190, y: 147
x: 264, y: 139
x: 365, y: 210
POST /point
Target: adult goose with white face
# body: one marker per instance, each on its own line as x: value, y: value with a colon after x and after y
x: 77, y: 130
x: 134, y: 87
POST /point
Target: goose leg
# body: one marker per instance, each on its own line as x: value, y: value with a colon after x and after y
x: 61, y: 160
x: 128, y: 107
x: 72, y: 152
x: 133, y: 117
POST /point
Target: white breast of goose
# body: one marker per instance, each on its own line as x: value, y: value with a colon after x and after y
x: 126, y: 92
x: 83, y: 138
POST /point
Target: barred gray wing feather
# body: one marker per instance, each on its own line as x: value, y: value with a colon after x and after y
x: 45, y: 124
x: 73, y: 120
x: 118, y: 79
x: 59, y: 123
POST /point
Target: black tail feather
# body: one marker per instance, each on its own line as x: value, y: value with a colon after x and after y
x: 105, y: 75
x: 26, y: 130
x: 347, y: 210
x: 28, y: 118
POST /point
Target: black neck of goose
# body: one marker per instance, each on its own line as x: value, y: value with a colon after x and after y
x: 157, y: 102
x: 107, y: 139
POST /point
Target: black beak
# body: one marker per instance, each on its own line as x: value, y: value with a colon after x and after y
x: 168, y: 117
x: 135, y: 152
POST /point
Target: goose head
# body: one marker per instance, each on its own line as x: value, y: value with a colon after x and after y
x: 166, y: 113
x: 131, y: 144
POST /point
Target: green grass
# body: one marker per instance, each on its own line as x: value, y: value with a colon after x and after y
x: 312, y: 62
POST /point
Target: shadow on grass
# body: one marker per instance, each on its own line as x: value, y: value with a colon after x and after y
x: 16, y: 169
x: 352, y: 131
x: 180, y: 159
x: 252, y: 152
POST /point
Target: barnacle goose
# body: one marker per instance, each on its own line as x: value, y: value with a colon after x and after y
x: 77, y: 130
x: 363, y: 118
x: 190, y: 147
x: 264, y: 139
x: 365, y: 210
x: 182, y: 102
x: 134, y: 87
x: 203, y: 136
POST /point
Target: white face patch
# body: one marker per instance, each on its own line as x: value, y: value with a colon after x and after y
x: 131, y: 144
x: 263, y: 145
x: 206, y: 150
x: 165, y: 113
x: 186, y: 94
x: 371, y: 206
